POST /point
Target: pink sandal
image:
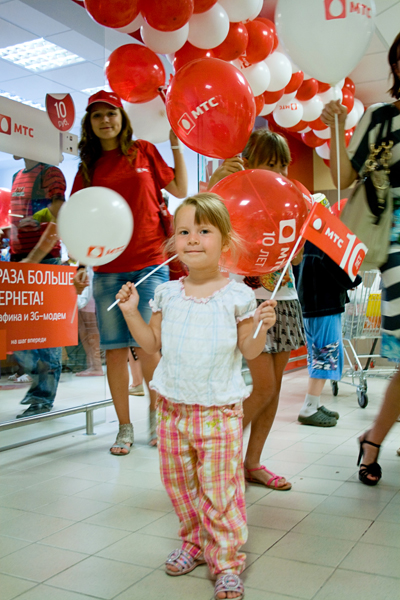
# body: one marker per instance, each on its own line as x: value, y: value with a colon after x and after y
x: 229, y: 583
x: 183, y: 561
x: 271, y: 483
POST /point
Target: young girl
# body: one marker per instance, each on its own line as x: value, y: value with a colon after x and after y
x: 203, y: 322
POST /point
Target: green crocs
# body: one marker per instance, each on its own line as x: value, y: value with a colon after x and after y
x: 329, y: 413
x: 318, y: 419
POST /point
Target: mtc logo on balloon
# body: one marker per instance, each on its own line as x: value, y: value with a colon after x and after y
x: 335, y: 9
x: 5, y: 124
x: 187, y: 124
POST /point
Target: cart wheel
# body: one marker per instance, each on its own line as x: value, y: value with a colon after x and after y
x: 335, y: 388
x: 362, y: 398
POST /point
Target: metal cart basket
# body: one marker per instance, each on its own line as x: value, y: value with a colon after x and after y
x: 362, y: 320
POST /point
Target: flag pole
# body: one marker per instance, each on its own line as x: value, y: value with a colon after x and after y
x: 285, y: 268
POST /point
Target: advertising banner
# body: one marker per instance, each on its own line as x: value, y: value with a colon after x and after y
x: 37, y: 307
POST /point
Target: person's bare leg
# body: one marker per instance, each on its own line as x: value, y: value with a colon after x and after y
x: 267, y: 372
x: 149, y: 363
x: 315, y: 386
x: 384, y: 421
x: 90, y: 338
x: 118, y: 380
x: 136, y: 370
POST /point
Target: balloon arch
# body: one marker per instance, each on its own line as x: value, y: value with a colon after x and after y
x: 246, y: 65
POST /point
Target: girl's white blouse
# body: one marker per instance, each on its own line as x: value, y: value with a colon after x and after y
x: 201, y: 362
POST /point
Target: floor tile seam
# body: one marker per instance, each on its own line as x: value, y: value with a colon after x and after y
x: 65, y: 590
x: 347, y: 569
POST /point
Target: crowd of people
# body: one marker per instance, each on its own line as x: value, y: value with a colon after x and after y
x: 186, y: 337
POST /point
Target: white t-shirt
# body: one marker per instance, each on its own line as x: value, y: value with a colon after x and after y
x: 201, y: 362
x: 287, y: 289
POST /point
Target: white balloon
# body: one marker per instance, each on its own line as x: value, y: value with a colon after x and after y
x: 306, y: 130
x: 164, y: 42
x: 360, y: 107
x: 323, y: 151
x: 288, y: 115
x: 324, y: 134
x: 208, y: 29
x: 257, y: 75
x: 326, y: 39
x: 288, y: 97
x: 334, y: 93
x: 267, y: 109
x: 149, y: 120
x: 96, y: 225
x: 353, y: 117
x: 312, y: 109
x: 280, y: 69
x: 132, y: 26
x: 241, y: 10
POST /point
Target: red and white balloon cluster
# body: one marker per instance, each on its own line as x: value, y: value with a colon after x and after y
x: 230, y: 30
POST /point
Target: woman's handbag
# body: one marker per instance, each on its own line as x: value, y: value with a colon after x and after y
x: 368, y: 212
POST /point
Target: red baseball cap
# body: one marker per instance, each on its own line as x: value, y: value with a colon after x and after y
x: 107, y: 97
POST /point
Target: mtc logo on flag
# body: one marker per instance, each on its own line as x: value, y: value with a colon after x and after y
x: 329, y: 234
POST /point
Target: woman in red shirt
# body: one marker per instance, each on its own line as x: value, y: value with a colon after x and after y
x: 136, y: 170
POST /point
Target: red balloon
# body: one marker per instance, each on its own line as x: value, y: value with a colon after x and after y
x: 335, y: 207
x: 234, y: 44
x: 259, y: 100
x: 267, y: 211
x: 201, y: 6
x: 168, y: 15
x: 295, y: 82
x: 310, y: 139
x: 327, y: 162
x: 187, y: 53
x: 323, y: 87
x: 349, y: 83
x: 305, y: 192
x: 115, y: 13
x: 272, y: 27
x: 261, y: 41
x: 135, y: 73
x: 271, y: 97
x: 317, y: 124
x: 211, y: 108
x: 348, y: 99
x: 5, y: 202
x: 307, y: 90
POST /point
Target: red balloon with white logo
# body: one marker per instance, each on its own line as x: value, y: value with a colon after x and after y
x: 211, y: 107
x: 267, y: 211
x: 5, y: 201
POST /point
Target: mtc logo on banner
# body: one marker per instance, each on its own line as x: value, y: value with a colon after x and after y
x: 329, y: 234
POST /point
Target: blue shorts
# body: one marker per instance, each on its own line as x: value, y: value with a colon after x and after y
x: 324, y: 347
x: 114, y: 332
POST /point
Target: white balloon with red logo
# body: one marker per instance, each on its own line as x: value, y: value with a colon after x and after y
x: 288, y: 114
x: 96, y: 225
x: 326, y: 38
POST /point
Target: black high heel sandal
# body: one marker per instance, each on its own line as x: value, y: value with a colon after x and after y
x: 373, y: 469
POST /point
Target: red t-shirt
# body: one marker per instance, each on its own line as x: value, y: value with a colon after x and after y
x: 32, y: 190
x: 137, y: 182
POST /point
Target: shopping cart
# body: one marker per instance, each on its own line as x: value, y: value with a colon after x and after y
x: 362, y: 320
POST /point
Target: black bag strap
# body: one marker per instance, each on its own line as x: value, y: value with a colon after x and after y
x: 389, y: 114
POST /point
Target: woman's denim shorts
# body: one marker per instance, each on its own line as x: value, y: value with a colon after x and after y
x: 114, y: 332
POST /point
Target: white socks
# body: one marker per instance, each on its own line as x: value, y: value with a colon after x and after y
x: 310, y: 406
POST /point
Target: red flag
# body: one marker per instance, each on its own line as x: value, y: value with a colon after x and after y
x: 329, y: 234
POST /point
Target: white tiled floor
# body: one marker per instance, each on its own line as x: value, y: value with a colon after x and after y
x: 77, y: 523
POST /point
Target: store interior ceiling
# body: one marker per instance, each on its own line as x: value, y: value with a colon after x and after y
x: 67, y: 24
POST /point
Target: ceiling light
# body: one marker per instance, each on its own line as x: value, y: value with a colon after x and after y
x: 39, y: 55
x: 22, y: 100
x: 91, y: 91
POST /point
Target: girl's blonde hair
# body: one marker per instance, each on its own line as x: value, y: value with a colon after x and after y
x: 209, y: 208
x: 266, y: 146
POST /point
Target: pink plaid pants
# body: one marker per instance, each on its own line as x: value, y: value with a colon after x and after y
x: 201, y: 466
